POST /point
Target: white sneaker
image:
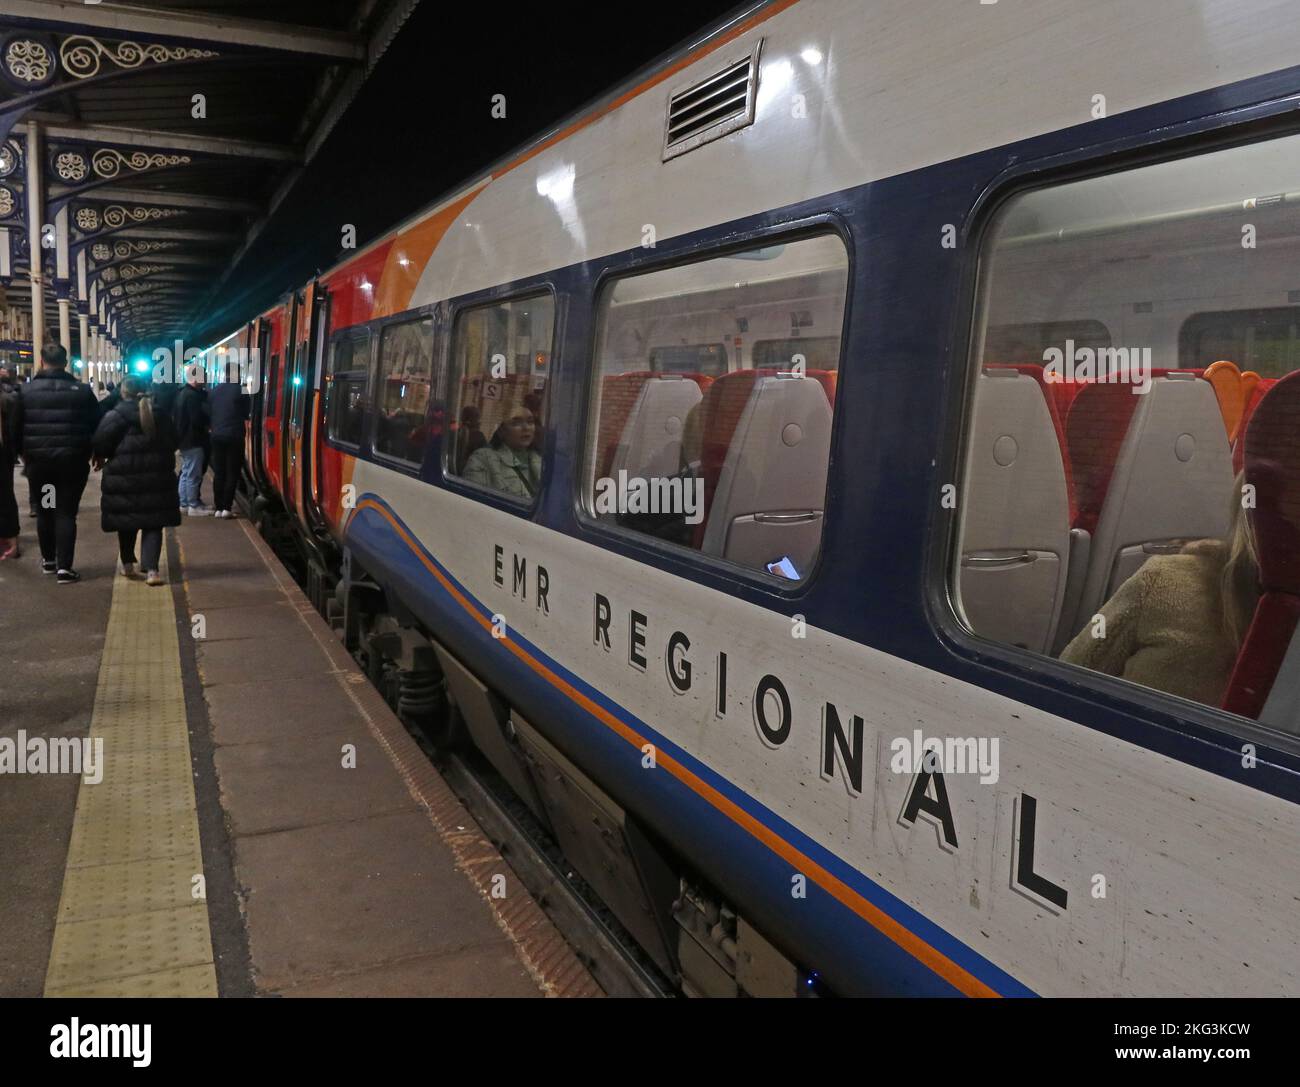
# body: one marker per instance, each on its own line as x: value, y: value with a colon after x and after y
x: 199, y: 511
x: 223, y: 514
x: 127, y: 569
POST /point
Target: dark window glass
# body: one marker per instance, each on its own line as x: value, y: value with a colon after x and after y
x: 727, y: 456
x: 1130, y: 507
x: 346, y: 386
x: 695, y: 358
x: 405, y: 373
x: 818, y: 353
x: 501, y: 358
x: 1263, y: 340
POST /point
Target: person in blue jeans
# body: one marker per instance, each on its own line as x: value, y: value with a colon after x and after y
x: 191, y: 419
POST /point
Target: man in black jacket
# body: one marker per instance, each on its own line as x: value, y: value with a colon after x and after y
x: 54, y: 420
x: 191, y: 419
x: 228, y: 408
x: 8, y: 455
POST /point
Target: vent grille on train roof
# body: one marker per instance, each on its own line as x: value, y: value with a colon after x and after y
x: 713, y: 107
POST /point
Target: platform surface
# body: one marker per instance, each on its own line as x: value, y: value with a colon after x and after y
x: 265, y: 825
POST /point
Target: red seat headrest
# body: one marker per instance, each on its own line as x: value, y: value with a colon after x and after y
x: 1272, y: 463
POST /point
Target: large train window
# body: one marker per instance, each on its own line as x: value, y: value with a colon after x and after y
x: 273, y: 384
x: 1129, y: 504
x: 728, y: 458
x: 349, y: 370
x: 405, y: 373
x: 1263, y: 340
x: 501, y: 356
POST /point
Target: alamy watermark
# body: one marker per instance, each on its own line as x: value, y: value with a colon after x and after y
x: 676, y: 495
x: 238, y: 365
x: 949, y: 755
x: 25, y: 754
x: 1099, y: 366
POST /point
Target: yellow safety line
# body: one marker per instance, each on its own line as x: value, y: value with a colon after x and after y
x: 133, y: 920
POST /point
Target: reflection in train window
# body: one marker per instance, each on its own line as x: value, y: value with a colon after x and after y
x: 345, y: 388
x: 1132, y: 504
x: 501, y: 355
x: 693, y: 358
x: 273, y: 384
x: 405, y: 372
x: 815, y: 353
x: 1263, y: 340
x: 730, y: 461
x: 1027, y: 342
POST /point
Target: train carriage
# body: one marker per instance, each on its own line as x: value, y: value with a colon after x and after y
x: 751, y: 458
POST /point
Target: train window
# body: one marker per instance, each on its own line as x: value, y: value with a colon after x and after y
x: 501, y: 356
x: 730, y: 462
x: 405, y: 373
x: 1026, y: 342
x: 1118, y: 510
x: 273, y: 384
x: 1259, y: 340
x: 695, y: 358
x: 818, y: 352
x: 349, y: 370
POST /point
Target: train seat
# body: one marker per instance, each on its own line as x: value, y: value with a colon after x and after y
x: 828, y: 380
x: 1055, y: 409
x: 618, y: 395
x: 1257, y: 389
x: 766, y: 448
x: 651, y: 443
x: 1265, y: 682
x: 1226, y: 380
x: 1016, y: 543
x: 1153, y: 472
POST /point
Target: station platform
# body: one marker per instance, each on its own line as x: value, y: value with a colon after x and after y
x: 262, y: 824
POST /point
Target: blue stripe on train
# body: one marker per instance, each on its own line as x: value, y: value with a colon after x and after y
x: 736, y: 860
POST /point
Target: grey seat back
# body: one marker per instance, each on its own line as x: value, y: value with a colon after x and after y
x: 1016, y: 530
x: 651, y: 443
x: 768, y: 504
x: 1172, y: 483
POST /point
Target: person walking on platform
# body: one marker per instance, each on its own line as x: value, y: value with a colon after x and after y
x: 191, y: 418
x: 8, y: 457
x: 139, y: 493
x: 228, y: 407
x: 56, y: 416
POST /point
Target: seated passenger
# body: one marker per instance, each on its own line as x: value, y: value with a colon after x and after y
x: 533, y: 402
x: 509, y: 464
x: 469, y: 438
x: 1177, y: 624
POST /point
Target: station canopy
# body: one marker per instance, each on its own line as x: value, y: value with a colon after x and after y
x: 145, y: 147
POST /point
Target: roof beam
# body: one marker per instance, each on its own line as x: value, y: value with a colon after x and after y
x: 170, y: 199
x: 118, y: 20
x: 164, y: 233
x: 168, y: 141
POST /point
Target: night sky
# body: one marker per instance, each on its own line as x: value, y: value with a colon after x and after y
x: 422, y: 123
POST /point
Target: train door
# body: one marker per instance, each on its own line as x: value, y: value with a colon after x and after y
x: 287, y: 317
x: 255, y: 346
x: 299, y: 383
x: 313, y: 479
x: 272, y: 406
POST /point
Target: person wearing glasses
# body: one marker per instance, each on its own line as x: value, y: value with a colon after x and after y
x: 508, y: 463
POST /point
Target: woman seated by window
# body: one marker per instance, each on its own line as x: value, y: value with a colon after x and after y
x: 508, y: 463
x: 1177, y: 624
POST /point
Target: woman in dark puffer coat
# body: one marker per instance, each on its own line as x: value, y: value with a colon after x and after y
x: 139, y: 489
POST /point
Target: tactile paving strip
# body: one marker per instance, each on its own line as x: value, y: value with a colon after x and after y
x: 129, y: 922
